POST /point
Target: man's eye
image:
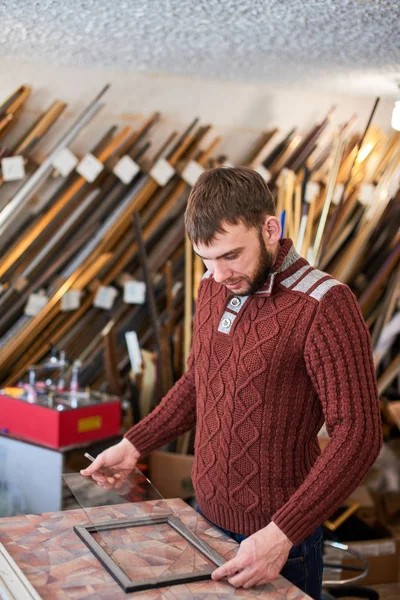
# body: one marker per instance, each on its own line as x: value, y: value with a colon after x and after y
x: 231, y: 257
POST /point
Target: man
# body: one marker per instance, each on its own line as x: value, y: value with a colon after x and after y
x: 278, y: 347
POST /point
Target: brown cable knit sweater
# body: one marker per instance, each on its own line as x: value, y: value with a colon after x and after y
x: 264, y: 373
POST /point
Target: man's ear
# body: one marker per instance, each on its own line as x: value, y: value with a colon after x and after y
x: 272, y: 230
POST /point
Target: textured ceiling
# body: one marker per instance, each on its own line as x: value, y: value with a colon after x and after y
x: 270, y: 41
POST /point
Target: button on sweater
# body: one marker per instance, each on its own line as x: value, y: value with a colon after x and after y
x: 265, y: 372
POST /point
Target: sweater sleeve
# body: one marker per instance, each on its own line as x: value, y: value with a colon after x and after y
x: 339, y: 362
x: 175, y: 414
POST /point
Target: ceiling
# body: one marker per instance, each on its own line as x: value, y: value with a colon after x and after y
x: 345, y: 45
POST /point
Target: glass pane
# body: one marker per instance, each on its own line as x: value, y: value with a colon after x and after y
x: 140, y: 531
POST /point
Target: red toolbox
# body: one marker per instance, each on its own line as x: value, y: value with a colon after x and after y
x: 59, y: 421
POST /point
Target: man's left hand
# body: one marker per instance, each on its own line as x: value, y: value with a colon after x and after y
x: 259, y: 560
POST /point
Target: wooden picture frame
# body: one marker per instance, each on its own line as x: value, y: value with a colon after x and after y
x: 129, y: 585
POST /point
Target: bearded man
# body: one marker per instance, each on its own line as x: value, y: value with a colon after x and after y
x: 279, y: 347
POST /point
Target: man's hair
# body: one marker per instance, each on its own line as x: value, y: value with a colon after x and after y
x: 226, y: 195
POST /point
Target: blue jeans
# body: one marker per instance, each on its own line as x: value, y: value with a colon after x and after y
x: 304, y: 565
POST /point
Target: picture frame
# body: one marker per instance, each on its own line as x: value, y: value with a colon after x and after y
x: 128, y: 585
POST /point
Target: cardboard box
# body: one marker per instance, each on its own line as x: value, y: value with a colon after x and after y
x: 170, y: 473
x: 383, y: 555
x: 367, y: 511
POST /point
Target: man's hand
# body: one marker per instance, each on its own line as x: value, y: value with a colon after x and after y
x: 121, y: 458
x: 259, y: 560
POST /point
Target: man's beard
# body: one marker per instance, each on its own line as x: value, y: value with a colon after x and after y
x: 263, y: 269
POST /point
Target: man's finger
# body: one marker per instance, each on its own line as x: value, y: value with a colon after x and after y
x: 119, y: 484
x: 239, y: 579
x: 250, y: 583
x: 105, y: 486
x: 229, y: 568
x: 95, y: 466
x: 98, y: 478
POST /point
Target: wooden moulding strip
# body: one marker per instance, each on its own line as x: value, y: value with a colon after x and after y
x: 15, y: 253
x: 37, y: 324
x: 60, y: 330
x: 18, y: 102
x: 188, y: 313
x: 371, y: 294
x: 91, y: 271
x: 355, y: 249
x: 8, y: 101
x: 262, y: 152
x: 288, y: 203
x: 39, y: 348
x: 309, y: 226
x: 39, y: 129
x: 330, y: 189
x: 42, y: 126
x: 389, y: 375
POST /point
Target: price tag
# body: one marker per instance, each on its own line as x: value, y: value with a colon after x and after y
x: 105, y: 297
x: 36, y: 302
x: 13, y: 168
x: 337, y: 194
x: 312, y: 191
x: 134, y: 292
x: 162, y: 172
x: 265, y: 174
x: 126, y: 169
x: 71, y: 300
x: 192, y: 172
x: 366, y: 194
x: 135, y: 355
x: 89, y: 167
x: 65, y: 162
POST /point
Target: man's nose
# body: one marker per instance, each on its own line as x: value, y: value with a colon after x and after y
x: 221, y: 273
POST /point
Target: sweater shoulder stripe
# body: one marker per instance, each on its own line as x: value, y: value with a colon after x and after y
x: 310, y: 281
x: 324, y: 287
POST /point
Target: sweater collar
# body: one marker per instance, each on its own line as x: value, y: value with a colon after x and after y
x: 286, y: 258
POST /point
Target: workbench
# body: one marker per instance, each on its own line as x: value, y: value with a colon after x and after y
x: 41, y: 556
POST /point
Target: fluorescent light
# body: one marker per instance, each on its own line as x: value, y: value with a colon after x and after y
x: 396, y: 116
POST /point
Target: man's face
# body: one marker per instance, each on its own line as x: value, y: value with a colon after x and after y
x: 238, y: 259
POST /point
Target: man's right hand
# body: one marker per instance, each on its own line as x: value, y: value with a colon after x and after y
x: 121, y: 458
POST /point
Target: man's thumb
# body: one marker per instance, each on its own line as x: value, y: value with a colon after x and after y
x: 95, y: 466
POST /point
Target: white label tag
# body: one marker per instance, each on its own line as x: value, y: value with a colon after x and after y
x: 126, y: 169
x: 65, y: 162
x: 265, y: 174
x: 71, y: 300
x: 192, y: 172
x: 337, y: 194
x: 105, y: 297
x: 162, y: 172
x: 135, y: 355
x: 366, y: 193
x: 36, y: 302
x: 312, y: 190
x: 89, y: 168
x: 134, y: 292
x: 13, y: 168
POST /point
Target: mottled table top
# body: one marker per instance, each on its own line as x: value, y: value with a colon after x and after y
x: 60, y: 566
